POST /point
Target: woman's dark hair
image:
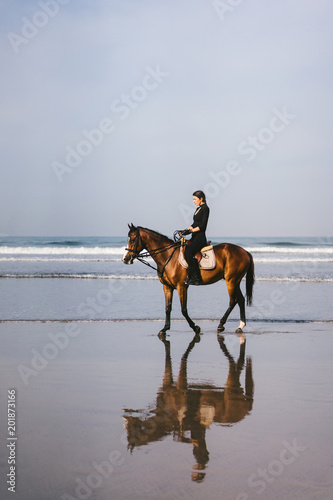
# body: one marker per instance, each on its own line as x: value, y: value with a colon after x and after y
x: 200, y: 194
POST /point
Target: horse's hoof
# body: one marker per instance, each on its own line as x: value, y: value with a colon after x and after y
x: 239, y: 330
x: 220, y: 329
x: 197, y: 329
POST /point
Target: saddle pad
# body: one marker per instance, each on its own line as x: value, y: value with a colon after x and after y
x: 207, y: 261
x: 205, y: 249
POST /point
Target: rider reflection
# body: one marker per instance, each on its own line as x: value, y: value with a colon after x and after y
x: 187, y: 410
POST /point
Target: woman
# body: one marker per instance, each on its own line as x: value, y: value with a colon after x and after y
x: 198, y: 240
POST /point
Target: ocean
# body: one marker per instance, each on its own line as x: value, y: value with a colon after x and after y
x: 84, y: 279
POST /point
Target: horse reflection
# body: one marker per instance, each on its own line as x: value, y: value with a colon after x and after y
x: 187, y: 410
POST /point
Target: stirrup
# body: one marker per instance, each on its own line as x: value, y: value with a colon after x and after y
x: 193, y: 280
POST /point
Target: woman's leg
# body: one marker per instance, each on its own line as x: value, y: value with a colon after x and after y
x: 193, y: 274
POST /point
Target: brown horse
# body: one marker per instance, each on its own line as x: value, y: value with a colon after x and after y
x: 232, y: 264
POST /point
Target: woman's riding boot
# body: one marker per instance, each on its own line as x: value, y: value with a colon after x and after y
x: 193, y: 274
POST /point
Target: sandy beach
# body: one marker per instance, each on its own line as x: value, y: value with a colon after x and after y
x: 109, y: 410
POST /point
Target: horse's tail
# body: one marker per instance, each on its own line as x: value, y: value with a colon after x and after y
x: 250, y: 281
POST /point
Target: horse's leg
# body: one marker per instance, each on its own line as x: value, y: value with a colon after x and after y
x: 241, y: 303
x: 182, y: 292
x: 168, y: 292
x: 233, y: 295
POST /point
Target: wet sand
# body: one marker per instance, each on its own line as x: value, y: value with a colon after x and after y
x: 110, y: 410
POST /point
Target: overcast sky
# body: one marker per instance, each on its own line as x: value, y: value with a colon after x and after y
x: 116, y: 111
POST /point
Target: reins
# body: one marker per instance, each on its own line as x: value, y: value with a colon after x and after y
x: 143, y: 255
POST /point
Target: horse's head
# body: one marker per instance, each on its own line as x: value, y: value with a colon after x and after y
x: 134, y: 244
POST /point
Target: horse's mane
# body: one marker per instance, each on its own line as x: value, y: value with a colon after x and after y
x: 155, y: 234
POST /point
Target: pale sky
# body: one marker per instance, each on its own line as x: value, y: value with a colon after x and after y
x: 116, y: 111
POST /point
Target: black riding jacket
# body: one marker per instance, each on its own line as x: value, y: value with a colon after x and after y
x: 200, y: 219
x: 198, y: 239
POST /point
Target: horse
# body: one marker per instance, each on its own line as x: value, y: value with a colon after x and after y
x: 232, y: 264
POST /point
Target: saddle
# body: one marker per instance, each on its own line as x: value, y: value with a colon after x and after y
x: 206, y: 258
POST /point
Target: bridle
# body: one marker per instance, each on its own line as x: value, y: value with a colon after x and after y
x: 141, y: 256
x: 138, y: 240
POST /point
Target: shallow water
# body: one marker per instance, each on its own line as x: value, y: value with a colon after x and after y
x: 110, y: 299
x: 109, y: 410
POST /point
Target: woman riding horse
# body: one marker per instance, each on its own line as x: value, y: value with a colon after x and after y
x: 198, y: 239
x: 232, y: 264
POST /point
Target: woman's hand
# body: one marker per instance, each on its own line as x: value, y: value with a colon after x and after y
x: 189, y: 230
